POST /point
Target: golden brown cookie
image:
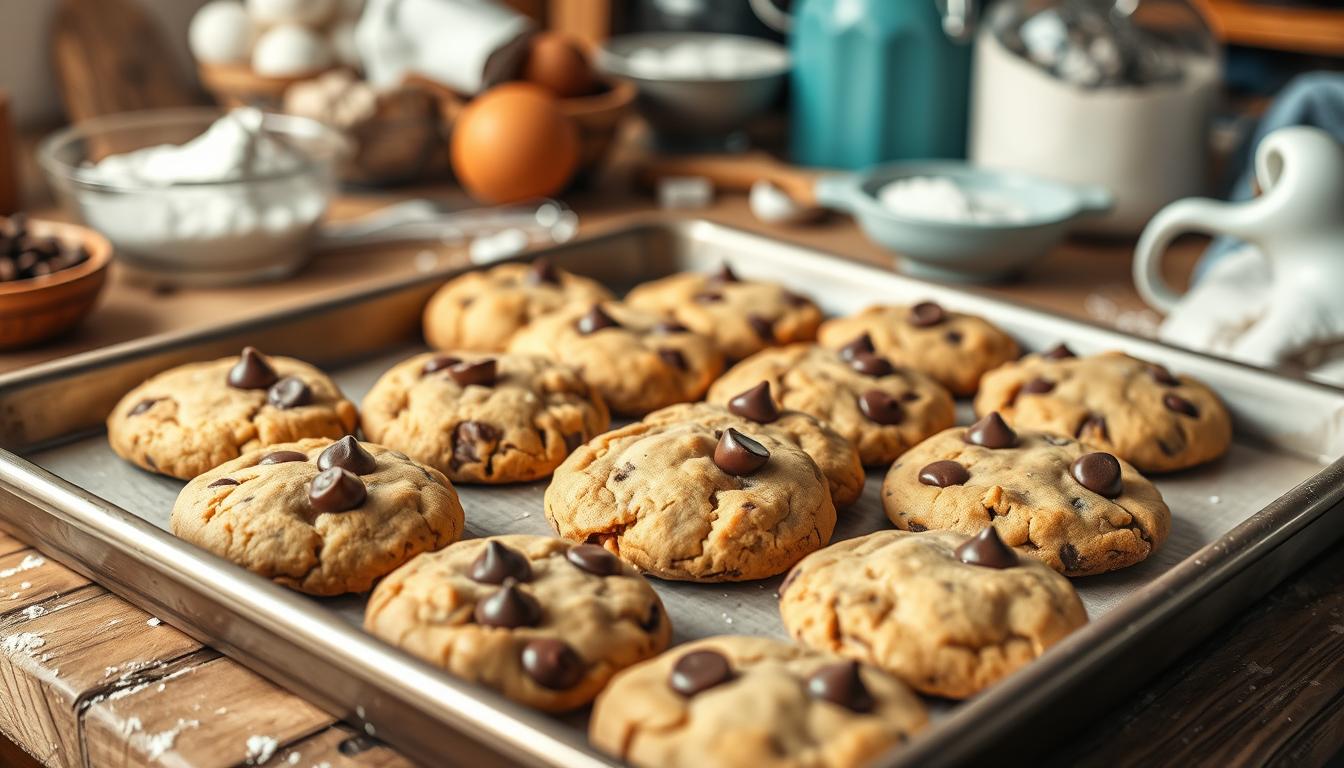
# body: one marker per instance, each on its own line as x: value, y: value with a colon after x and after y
x: 194, y: 417
x: 484, y: 418
x: 955, y: 349
x: 880, y: 407
x: 540, y: 620
x: 948, y: 615
x: 1137, y: 410
x: 317, y: 516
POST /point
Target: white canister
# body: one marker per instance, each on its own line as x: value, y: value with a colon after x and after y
x: 467, y: 45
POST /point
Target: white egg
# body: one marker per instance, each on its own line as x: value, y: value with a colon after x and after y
x: 220, y: 33
x: 311, y: 13
x: 290, y: 50
x: 342, y: 37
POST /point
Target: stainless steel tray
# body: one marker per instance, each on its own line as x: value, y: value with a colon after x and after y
x: 1241, y: 524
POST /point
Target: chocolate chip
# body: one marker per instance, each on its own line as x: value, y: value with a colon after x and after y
x: 543, y: 271
x: 1099, y: 473
x: 438, y: 363
x: 480, y: 373
x: 669, y: 326
x: 1068, y: 555
x: 289, y: 392
x: 840, y: 683
x: 223, y: 482
x: 725, y: 274
x: 708, y: 297
x: 764, y: 328
x: 941, y: 474
x: 672, y: 357
x: 698, y: 671
x: 881, y: 407
x: 1093, y: 423
x: 654, y: 620
x: 466, y: 438
x: 1162, y: 376
x: 336, y: 490
x: 552, y: 663
x: 509, y: 607
x: 1058, y: 352
x: 348, y: 454
x: 953, y: 337
x: 594, y: 320
x: 987, y: 549
x: 738, y: 454
x: 1037, y: 386
x: 991, y: 432
x: 755, y: 404
x: 497, y: 563
x: 594, y: 560
x: 871, y: 365
x: 283, y: 457
x: 252, y: 371
x: 925, y: 314
x: 143, y: 405
x: 1180, y: 405
x: 861, y: 345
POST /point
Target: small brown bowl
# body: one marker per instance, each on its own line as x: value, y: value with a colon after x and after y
x: 598, y: 116
x: 36, y: 309
x: 236, y: 85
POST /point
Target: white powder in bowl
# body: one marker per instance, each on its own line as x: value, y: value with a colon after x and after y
x: 727, y: 58
x: 938, y: 198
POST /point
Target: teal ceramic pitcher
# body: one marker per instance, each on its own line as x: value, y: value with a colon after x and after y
x: 876, y: 81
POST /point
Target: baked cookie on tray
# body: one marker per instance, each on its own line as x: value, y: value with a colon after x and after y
x: 1139, y: 411
x: 880, y: 407
x: 754, y: 410
x: 743, y: 316
x: 542, y: 621
x: 691, y: 502
x: 949, y: 615
x: 317, y: 516
x: 197, y: 416
x: 640, y: 362
x: 953, y: 348
x: 1050, y: 497
x: 484, y: 418
x: 483, y: 309
x: 732, y: 701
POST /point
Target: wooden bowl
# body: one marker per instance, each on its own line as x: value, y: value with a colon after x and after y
x: 38, y: 308
x: 598, y: 116
x: 236, y: 85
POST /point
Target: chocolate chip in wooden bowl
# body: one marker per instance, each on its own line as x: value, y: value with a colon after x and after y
x: 1037, y: 386
x: 880, y: 407
x: 543, y: 272
x: 1098, y: 472
x: 698, y: 671
x: 941, y: 474
x: 725, y: 274
x: 497, y: 563
x: 594, y: 320
x: 349, y: 455
x: 1060, y: 351
x: 593, y: 559
x: 282, y: 457
x: 755, y: 404
x: 871, y: 365
x: 1162, y: 376
x: 252, y: 371
x: 841, y: 684
x: 552, y: 663
x: 763, y: 326
x: 926, y: 314
x: 481, y: 373
x: 672, y: 357
x: 439, y: 363
x: 289, y: 392
x: 1180, y: 405
x: 508, y: 608
x: 986, y: 549
x: 738, y: 454
x: 24, y: 255
x: 223, y: 482
x: 336, y: 490
x: 991, y: 432
x: 861, y: 345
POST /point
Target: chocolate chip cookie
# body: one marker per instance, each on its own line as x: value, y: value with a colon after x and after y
x: 743, y: 316
x: 955, y: 349
x: 1078, y: 510
x: 542, y: 621
x: 1137, y: 410
x: 638, y: 361
x: 195, y: 417
x: 317, y: 516
x: 482, y: 310
x: 690, y: 502
x: 881, y: 407
x: 754, y: 410
x: 949, y: 615
x: 751, y: 701
x: 483, y: 418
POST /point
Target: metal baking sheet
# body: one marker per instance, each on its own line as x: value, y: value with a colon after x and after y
x: 1239, y: 524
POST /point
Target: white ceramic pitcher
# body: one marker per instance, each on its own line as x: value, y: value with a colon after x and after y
x: 1297, y: 222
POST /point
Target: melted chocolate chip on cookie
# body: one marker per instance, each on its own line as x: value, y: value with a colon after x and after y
x: 755, y: 404
x: 871, y: 365
x: 348, y: 454
x: 840, y: 683
x: 991, y: 432
x: 497, y: 563
x: 480, y: 373
x: 543, y: 272
x: 593, y: 559
x: 283, y: 457
x: 594, y: 320
x: 508, y: 608
x: 861, y: 345
x: 1180, y: 405
x: 439, y: 363
x: 925, y: 314
x: 252, y: 371
x: 941, y: 474
x: 552, y: 663
x: 764, y: 327
x: 987, y: 549
x: 289, y: 392
x: 1037, y: 386
x: 881, y: 407
x: 698, y: 671
x: 738, y: 454
x: 1099, y: 473
x: 336, y: 490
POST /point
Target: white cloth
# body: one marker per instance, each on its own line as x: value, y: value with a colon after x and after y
x: 467, y: 45
x: 1233, y: 312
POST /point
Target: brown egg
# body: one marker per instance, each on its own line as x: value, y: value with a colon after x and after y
x: 513, y: 143
x: 557, y: 63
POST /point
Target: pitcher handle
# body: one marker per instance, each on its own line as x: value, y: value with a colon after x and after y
x: 1190, y: 215
x: 772, y: 16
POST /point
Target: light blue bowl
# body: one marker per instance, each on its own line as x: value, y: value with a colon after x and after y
x: 956, y: 251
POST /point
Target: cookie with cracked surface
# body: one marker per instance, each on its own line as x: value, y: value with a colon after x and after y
x: 948, y: 615
x: 689, y: 502
x: 1140, y: 411
x: 735, y: 701
x: 1050, y: 497
x: 540, y: 620
x: 317, y: 516
x: 482, y: 310
x: 837, y: 457
x: 484, y: 418
x: 639, y: 362
x: 880, y: 407
x: 194, y: 417
x: 954, y: 348
x: 743, y: 316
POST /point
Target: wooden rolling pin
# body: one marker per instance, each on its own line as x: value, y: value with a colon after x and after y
x: 735, y: 173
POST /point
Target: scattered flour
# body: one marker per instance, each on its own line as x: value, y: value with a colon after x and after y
x: 260, y: 749
x: 131, y: 725
x: 28, y: 563
x: 156, y: 744
x: 33, y: 611
x: 154, y: 621
x: 23, y: 642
